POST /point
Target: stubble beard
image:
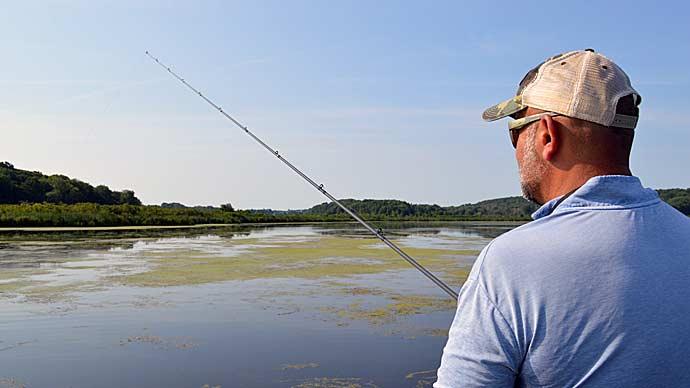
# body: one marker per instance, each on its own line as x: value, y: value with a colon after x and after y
x: 532, y: 169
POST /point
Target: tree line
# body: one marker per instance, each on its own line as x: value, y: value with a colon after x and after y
x: 91, y: 214
x: 21, y: 186
x: 510, y: 208
x: 34, y: 199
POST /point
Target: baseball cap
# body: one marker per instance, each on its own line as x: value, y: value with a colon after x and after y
x: 582, y: 84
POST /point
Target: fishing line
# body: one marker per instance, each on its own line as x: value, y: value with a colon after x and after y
x: 377, y: 232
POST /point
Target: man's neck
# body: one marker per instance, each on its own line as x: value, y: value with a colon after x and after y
x: 564, y: 182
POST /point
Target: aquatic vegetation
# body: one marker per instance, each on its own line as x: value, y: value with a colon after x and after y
x: 9, y: 288
x: 45, y: 292
x: 334, y: 382
x: 11, y: 383
x: 398, y: 306
x: 159, y: 342
x: 12, y: 346
x: 24, y: 273
x: 331, y: 260
x: 456, y: 275
x: 426, y: 378
x: 436, y: 332
x: 299, y: 366
x: 361, y: 291
x: 305, y: 259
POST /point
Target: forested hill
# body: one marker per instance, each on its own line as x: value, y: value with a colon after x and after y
x: 500, y: 208
x: 19, y: 186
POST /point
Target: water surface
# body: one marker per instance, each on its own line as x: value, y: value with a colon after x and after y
x: 278, y: 306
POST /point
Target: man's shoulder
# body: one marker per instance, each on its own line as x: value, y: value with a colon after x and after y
x: 522, y: 254
x: 571, y: 237
x: 518, y: 242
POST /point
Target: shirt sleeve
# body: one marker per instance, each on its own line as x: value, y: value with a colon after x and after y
x: 481, y: 350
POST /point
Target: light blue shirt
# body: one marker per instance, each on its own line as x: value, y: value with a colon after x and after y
x: 593, y: 293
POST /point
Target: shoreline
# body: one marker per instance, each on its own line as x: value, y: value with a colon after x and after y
x: 200, y: 226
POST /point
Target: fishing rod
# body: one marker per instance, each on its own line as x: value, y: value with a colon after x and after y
x: 377, y: 232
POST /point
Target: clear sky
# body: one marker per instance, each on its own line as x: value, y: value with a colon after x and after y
x: 374, y: 99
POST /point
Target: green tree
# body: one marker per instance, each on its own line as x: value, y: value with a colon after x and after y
x: 127, y: 197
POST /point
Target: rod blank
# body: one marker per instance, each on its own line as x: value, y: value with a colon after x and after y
x: 378, y: 233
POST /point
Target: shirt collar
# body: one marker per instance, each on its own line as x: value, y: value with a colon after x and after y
x: 615, y: 191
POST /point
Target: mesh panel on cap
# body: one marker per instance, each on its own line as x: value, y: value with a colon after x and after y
x: 602, y: 86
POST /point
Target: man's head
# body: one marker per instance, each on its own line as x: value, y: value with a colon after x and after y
x: 575, y: 114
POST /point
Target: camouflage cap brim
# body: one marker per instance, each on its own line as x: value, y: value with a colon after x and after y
x: 504, y: 109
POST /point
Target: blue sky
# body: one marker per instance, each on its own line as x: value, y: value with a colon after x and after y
x: 373, y: 99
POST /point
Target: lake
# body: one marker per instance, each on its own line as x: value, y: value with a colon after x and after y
x: 307, y: 306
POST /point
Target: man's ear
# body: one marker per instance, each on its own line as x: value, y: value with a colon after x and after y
x: 548, y: 138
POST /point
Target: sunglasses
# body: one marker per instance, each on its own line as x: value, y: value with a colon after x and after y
x: 515, y: 126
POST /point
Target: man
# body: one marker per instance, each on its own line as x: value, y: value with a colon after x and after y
x: 595, y: 292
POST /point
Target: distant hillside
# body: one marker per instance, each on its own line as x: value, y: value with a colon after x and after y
x: 515, y: 208
x: 177, y: 205
x: 21, y: 186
